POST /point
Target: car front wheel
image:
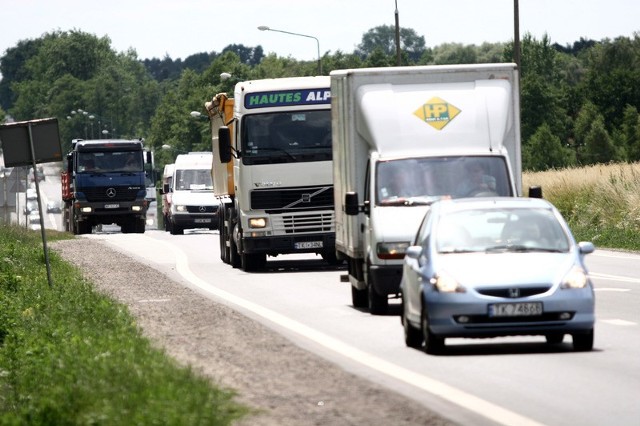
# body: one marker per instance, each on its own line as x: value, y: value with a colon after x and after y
x: 583, y: 341
x: 432, y: 344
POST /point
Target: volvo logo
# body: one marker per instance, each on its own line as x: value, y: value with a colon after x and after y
x: 111, y: 192
x: 202, y: 209
x: 306, y: 198
x: 514, y: 293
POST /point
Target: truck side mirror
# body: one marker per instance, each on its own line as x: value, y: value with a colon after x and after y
x: 535, y: 192
x: 351, y: 207
x: 224, y: 144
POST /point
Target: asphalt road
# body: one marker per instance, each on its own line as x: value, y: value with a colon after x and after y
x: 513, y: 380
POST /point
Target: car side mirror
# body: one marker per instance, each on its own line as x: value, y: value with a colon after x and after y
x: 586, y: 247
x: 413, y: 252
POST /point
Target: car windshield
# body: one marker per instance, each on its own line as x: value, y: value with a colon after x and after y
x: 499, y: 230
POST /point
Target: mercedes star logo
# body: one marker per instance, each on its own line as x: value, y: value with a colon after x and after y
x: 111, y: 192
x: 202, y: 209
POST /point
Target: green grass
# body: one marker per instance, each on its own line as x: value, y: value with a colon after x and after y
x: 601, y: 203
x: 71, y: 356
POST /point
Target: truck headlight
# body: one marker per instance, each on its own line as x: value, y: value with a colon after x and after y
x: 86, y: 210
x: 258, y: 222
x: 392, y: 250
x: 136, y: 208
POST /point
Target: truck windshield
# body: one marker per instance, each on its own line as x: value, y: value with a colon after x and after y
x: 193, y: 180
x: 110, y: 161
x: 286, y: 137
x: 423, y: 180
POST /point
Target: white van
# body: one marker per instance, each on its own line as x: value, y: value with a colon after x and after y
x: 193, y: 204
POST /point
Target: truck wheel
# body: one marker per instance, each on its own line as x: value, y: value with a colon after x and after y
x: 224, y: 251
x: 331, y: 258
x: 234, y: 257
x: 359, y: 298
x: 378, y: 304
x: 253, y: 262
x: 141, y: 225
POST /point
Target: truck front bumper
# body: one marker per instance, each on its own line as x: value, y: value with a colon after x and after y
x: 110, y: 212
x: 285, y: 244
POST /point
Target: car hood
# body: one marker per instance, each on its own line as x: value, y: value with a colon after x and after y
x: 495, y: 269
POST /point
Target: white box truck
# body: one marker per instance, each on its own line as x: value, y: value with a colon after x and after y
x: 273, y: 141
x: 193, y: 204
x: 404, y: 137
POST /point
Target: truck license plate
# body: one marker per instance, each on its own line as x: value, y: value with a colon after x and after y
x: 111, y: 206
x: 524, y: 309
x: 308, y: 245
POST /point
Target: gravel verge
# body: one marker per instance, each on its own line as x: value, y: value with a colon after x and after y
x: 285, y: 383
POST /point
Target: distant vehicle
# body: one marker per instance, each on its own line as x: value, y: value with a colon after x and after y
x: 152, y: 215
x: 32, y: 194
x: 30, y: 206
x: 54, y: 207
x: 33, y: 221
x: 39, y: 173
x: 487, y: 267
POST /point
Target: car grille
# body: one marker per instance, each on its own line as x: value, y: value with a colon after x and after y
x: 284, y: 200
x: 506, y: 292
x: 122, y: 193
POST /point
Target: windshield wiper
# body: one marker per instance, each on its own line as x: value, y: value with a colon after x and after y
x: 287, y: 153
x: 409, y: 201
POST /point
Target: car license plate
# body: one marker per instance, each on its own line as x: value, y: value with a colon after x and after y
x: 522, y: 309
x: 308, y: 245
x: 203, y: 220
x: 111, y: 206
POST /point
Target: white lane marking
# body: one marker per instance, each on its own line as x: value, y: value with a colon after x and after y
x: 456, y: 396
x: 612, y: 289
x: 615, y: 277
x: 617, y: 321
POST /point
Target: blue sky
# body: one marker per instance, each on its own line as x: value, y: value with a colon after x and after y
x: 179, y: 28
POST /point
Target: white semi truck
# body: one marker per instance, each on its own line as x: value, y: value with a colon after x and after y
x: 273, y: 171
x: 404, y: 137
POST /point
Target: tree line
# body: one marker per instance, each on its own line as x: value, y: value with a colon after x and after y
x: 579, y: 103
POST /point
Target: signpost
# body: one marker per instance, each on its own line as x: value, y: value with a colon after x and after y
x: 29, y: 143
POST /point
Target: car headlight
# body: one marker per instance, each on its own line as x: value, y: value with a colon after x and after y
x: 575, y: 278
x: 257, y: 222
x: 445, y: 283
x: 392, y: 250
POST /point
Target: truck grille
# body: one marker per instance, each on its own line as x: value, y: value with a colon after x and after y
x: 303, y: 223
x: 284, y: 200
x: 110, y: 193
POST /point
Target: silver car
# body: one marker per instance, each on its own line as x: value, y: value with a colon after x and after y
x: 487, y: 267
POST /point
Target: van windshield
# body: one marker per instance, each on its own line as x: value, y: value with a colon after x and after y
x: 193, y: 180
x: 428, y: 179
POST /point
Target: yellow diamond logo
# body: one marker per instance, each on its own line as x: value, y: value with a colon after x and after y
x: 437, y: 113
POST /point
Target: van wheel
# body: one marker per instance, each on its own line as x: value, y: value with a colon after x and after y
x: 359, y: 298
x: 378, y: 304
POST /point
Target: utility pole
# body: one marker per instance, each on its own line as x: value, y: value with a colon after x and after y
x: 398, y: 35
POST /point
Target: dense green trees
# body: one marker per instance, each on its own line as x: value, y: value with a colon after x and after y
x: 579, y: 103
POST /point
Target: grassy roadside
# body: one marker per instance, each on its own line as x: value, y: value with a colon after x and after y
x: 69, y: 355
x: 601, y: 203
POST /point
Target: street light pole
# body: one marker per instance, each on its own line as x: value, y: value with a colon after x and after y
x: 266, y: 28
